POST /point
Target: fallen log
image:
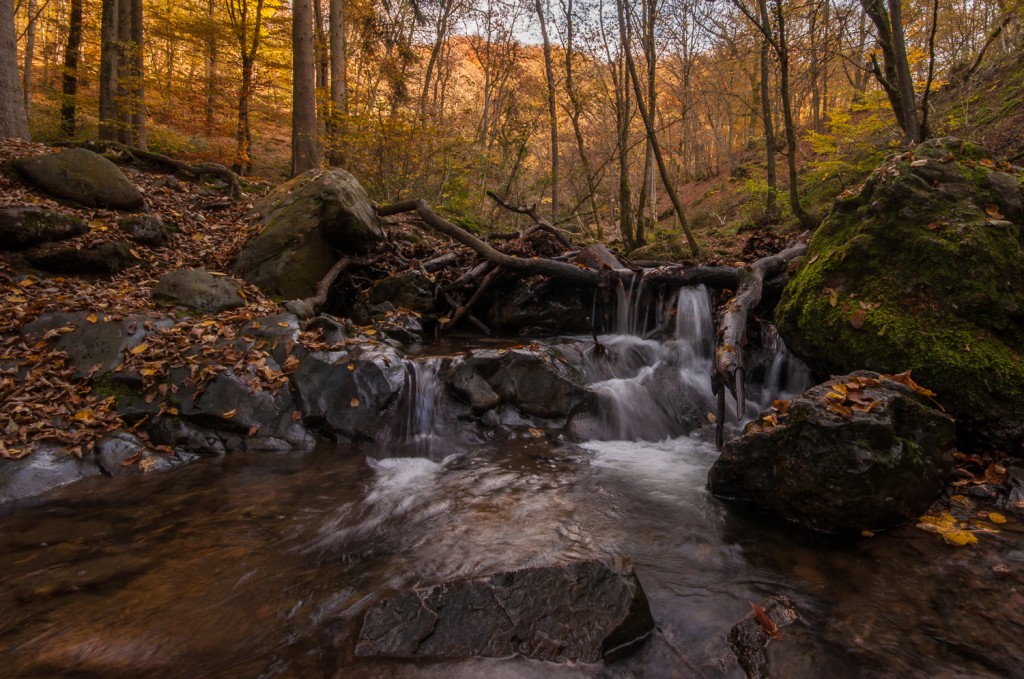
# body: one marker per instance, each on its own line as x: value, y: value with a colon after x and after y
x: 539, y: 223
x: 729, y: 370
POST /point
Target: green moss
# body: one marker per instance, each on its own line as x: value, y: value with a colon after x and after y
x: 106, y: 386
x: 939, y: 284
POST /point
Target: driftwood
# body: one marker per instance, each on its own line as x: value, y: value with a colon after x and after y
x: 194, y: 171
x: 729, y: 370
x: 324, y: 286
x: 480, y: 291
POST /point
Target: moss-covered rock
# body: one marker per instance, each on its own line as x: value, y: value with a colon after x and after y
x: 923, y: 270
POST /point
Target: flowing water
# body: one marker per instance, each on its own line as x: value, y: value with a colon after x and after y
x: 260, y: 565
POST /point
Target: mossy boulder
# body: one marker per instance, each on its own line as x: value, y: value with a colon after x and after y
x: 82, y: 177
x: 923, y: 270
x: 23, y: 227
x: 308, y: 223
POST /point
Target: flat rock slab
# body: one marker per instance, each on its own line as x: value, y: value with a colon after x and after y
x: 585, y: 612
x: 83, y: 177
x: 198, y: 289
x: 47, y: 468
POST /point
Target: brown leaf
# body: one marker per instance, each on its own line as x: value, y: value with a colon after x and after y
x: 995, y: 474
x: 767, y: 624
x: 128, y: 461
x: 993, y: 211
x: 229, y: 414
x: 857, y: 319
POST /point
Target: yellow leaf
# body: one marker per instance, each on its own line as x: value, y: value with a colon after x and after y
x: 229, y: 414
x: 91, y: 318
x: 85, y: 416
x: 147, y: 372
x: 351, y: 367
x: 354, y: 403
x: 960, y: 538
x: 370, y: 331
x: 284, y: 324
x: 15, y: 299
x: 139, y: 348
x: 986, y: 162
x: 993, y: 211
x: 996, y: 518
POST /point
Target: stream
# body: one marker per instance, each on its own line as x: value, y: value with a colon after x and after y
x: 261, y: 565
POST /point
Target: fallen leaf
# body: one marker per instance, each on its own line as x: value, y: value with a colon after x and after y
x: 996, y: 518
x: 986, y: 162
x: 128, y: 461
x: 995, y: 474
x: 253, y: 430
x: 857, y: 319
x: 229, y: 414
x: 769, y: 626
x: 993, y: 211
x: 354, y: 402
x: 91, y: 318
x: 919, y: 163
x: 139, y: 348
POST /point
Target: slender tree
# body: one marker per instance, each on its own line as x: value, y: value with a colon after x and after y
x: 72, y: 52
x: 894, y: 76
x: 305, y: 152
x: 338, y: 110
x: 30, y: 55
x: 246, y: 19
x: 549, y: 72
x: 108, y: 70
x: 13, y: 121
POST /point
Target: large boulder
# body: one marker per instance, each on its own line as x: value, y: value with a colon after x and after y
x: 858, y: 452
x: 581, y: 612
x: 103, y: 258
x: 307, y: 222
x: 198, y: 289
x: 923, y: 269
x: 83, y: 177
x: 343, y: 394
x: 48, y: 467
x: 534, y: 380
x: 410, y: 290
x: 23, y: 227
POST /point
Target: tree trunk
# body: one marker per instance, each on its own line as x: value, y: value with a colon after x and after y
x: 138, y: 87
x: 211, y: 67
x: 124, y: 73
x: 70, y: 82
x: 549, y: 71
x: 574, y: 118
x: 339, y: 82
x: 896, y: 80
x: 771, y: 210
x: 243, y: 134
x: 108, y: 70
x: 652, y: 135
x: 30, y: 55
x: 305, y: 154
x: 13, y: 121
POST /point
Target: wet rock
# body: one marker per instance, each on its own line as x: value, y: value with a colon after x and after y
x: 871, y: 468
x: 344, y: 393
x: 83, y: 177
x: 535, y: 380
x: 301, y: 308
x: 184, y: 436
x: 44, y: 469
x: 102, y: 259
x: 583, y: 612
x: 198, y: 289
x: 407, y: 290
x: 550, y: 310
x: 23, y: 227
x: 308, y: 222
x: 749, y: 637
x: 145, y: 230
x: 94, y: 347
x: 923, y: 270
x: 259, y: 421
x: 122, y: 453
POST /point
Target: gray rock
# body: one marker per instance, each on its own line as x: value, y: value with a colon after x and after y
x: 406, y: 290
x: 198, y: 289
x: 83, y: 177
x: 92, y: 348
x: 102, y: 259
x: 871, y: 468
x: 536, y: 381
x: 46, y: 468
x: 307, y: 222
x: 229, y: 405
x: 23, y: 227
x: 121, y: 453
x: 301, y: 308
x: 345, y: 393
x: 748, y: 638
x: 145, y: 230
x: 582, y: 612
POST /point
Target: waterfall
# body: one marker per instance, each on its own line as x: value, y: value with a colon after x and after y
x: 781, y: 375
x: 695, y: 326
x: 419, y: 424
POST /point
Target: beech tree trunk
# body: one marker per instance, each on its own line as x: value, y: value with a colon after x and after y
x: 138, y: 93
x: 771, y: 209
x: 211, y: 68
x: 30, y: 56
x: 897, y: 81
x: 72, y: 51
x: 305, y: 152
x: 339, y: 81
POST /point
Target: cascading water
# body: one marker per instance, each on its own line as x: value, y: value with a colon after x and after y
x: 419, y: 422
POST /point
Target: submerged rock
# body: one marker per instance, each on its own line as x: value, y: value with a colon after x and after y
x: 307, y: 222
x: 585, y: 612
x: 23, y: 227
x: 83, y: 177
x: 844, y: 458
x: 748, y: 638
x: 923, y: 270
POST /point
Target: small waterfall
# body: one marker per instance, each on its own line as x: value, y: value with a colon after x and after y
x: 419, y: 422
x: 781, y: 375
x: 631, y: 308
x: 695, y: 325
